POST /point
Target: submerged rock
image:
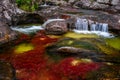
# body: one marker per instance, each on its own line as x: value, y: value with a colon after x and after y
x: 68, y: 47
x: 7, y: 72
x: 80, y: 52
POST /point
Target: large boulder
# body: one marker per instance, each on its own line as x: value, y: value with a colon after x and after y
x: 7, y: 11
x: 55, y: 26
x: 7, y: 72
x: 6, y: 34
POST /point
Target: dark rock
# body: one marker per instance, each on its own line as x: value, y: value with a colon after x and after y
x: 55, y: 26
x: 28, y: 18
x: 7, y: 72
x: 75, y: 48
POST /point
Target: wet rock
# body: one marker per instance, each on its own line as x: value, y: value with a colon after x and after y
x: 55, y: 26
x: 75, y: 48
x: 73, y: 51
x: 111, y: 19
x: 7, y: 72
x: 28, y: 18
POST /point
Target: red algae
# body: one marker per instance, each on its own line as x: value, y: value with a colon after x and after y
x: 33, y: 64
x: 42, y: 39
x: 64, y: 68
x: 22, y: 38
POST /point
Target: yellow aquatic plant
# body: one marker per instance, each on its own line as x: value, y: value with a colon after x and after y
x: 76, y: 35
x: 24, y: 47
x: 114, y: 42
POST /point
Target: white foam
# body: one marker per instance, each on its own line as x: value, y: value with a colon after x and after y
x: 28, y: 29
x: 99, y: 33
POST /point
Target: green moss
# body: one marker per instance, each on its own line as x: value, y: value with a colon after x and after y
x: 114, y: 42
x: 27, y: 5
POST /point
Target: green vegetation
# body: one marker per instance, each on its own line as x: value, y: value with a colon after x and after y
x: 114, y: 42
x: 27, y: 5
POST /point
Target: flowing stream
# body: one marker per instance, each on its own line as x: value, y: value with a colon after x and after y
x: 83, y: 26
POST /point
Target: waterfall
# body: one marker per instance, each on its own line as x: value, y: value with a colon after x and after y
x: 103, y: 27
x: 82, y: 26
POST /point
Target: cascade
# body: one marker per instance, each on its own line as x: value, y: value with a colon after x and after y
x: 103, y: 27
x: 82, y: 26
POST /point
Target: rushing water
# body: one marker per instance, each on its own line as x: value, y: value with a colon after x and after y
x: 83, y: 26
x: 27, y: 29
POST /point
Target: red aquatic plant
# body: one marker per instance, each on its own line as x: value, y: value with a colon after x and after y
x: 32, y: 60
x: 21, y: 38
x: 41, y: 39
x: 65, y: 68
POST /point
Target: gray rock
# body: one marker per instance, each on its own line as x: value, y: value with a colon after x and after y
x: 96, y: 5
x: 105, y: 5
x: 115, y: 2
x: 104, y: 1
x: 55, y: 26
x: 8, y: 10
x: 7, y: 72
x: 6, y: 34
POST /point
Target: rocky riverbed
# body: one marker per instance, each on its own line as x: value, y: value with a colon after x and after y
x: 54, y: 51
